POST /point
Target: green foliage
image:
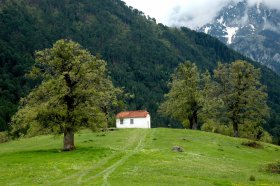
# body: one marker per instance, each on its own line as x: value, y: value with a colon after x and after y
x: 235, y: 97
x: 243, y: 96
x: 245, y: 131
x: 4, y: 137
x: 252, y: 144
x: 273, y: 168
x: 214, y: 126
x: 254, y: 131
x: 75, y: 92
x: 266, y: 137
x: 184, y: 101
x: 141, y: 54
x: 252, y: 178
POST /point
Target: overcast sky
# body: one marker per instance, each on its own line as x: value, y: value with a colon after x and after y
x: 190, y: 13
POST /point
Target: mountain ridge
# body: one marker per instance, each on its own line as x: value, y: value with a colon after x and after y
x: 253, y: 30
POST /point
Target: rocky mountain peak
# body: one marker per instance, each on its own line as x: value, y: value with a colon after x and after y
x: 253, y: 30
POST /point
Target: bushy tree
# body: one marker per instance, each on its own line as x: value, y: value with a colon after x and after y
x: 75, y: 92
x: 184, y: 100
x: 243, y: 97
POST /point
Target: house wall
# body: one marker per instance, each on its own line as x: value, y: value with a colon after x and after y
x: 138, y: 123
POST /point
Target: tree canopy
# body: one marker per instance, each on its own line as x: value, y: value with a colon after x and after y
x: 184, y: 100
x: 74, y: 91
x: 243, y: 96
x: 234, y: 97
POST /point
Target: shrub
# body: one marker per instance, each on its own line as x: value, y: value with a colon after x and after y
x: 252, y: 144
x: 252, y: 178
x: 4, y: 137
x: 255, y: 132
x: 248, y: 130
x: 215, y: 127
x: 266, y: 137
x: 186, y: 124
x: 273, y: 167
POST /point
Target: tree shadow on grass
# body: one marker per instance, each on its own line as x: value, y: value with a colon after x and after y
x: 76, y: 151
x: 53, y: 151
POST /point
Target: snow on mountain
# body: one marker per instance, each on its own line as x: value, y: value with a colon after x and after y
x: 231, y: 33
x: 253, y: 30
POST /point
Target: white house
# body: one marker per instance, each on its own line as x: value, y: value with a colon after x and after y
x: 133, y: 119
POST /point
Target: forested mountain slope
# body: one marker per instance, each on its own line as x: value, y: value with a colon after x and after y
x: 141, y: 54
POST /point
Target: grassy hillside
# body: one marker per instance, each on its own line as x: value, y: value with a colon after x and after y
x: 137, y: 157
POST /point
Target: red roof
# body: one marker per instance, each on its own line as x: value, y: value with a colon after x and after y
x: 133, y: 114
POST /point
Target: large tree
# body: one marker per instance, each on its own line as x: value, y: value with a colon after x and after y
x: 185, y: 98
x: 243, y: 97
x: 74, y: 93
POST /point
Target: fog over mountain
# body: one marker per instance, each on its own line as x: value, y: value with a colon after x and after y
x: 189, y: 13
x: 194, y: 14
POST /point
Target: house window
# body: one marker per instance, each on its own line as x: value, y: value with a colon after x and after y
x: 131, y: 121
x: 121, y: 121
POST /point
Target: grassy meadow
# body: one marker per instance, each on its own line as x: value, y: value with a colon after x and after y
x: 137, y: 157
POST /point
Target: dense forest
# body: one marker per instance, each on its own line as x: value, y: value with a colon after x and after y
x: 141, y: 54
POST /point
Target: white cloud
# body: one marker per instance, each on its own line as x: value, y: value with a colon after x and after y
x: 195, y: 13
x: 190, y: 13
x: 159, y: 9
x: 274, y: 4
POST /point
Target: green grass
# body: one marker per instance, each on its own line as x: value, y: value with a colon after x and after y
x: 137, y: 157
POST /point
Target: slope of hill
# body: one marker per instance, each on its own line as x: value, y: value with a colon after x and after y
x: 137, y: 157
x: 141, y: 54
x: 252, y: 30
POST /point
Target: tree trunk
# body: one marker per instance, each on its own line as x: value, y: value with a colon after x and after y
x: 235, y: 130
x: 68, y: 139
x: 68, y: 131
x: 193, y: 121
x: 194, y: 124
